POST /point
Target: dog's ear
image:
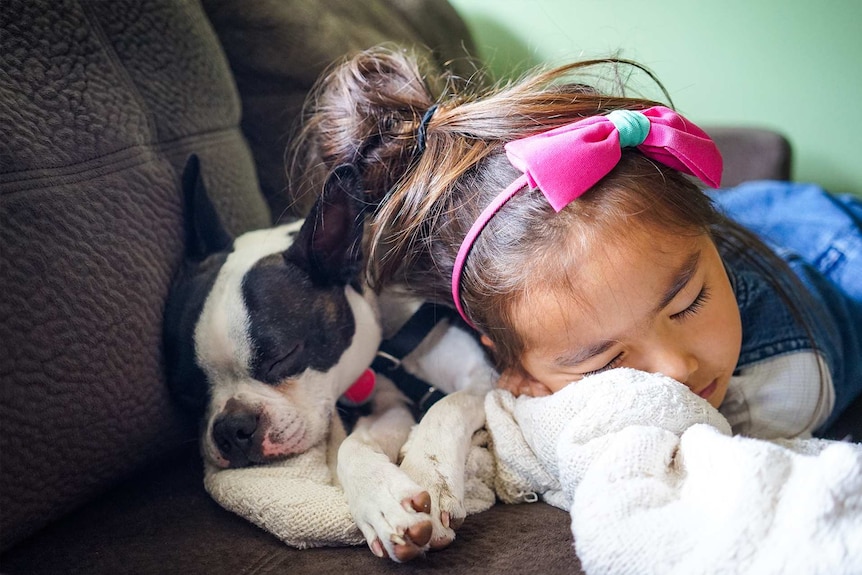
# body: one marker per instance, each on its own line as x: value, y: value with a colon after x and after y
x: 329, y: 244
x: 205, y: 233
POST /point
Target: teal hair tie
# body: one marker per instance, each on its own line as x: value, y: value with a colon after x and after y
x: 633, y: 127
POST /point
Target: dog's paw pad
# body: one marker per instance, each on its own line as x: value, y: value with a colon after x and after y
x: 420, y: 503
x: 409, y: 548
x: 442, y: 542
x: 420, y: 533
x: 449, y: 523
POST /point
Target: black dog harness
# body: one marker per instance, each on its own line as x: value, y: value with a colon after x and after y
x: 388, y: 362
x: 393, y: 350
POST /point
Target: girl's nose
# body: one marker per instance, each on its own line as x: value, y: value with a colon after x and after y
x: 674, y: 361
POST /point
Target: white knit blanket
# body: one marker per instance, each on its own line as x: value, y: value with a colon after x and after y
x: 656, y: 484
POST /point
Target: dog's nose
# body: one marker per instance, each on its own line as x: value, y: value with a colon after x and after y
x: 233, y: 434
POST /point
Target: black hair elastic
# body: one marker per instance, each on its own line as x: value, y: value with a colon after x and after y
x: 423, y: 128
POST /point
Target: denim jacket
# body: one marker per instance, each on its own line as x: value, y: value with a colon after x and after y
x: 820, y: 238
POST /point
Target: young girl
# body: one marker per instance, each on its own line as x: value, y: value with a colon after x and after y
x: 564, y: 225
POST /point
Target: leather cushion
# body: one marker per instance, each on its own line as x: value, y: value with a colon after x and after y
x: 752, y: 154
x: 101, y: 103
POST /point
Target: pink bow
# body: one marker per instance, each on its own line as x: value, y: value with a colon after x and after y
x: 567, y: 161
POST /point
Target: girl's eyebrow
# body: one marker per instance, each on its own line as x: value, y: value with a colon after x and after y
x: 580, y: 356
x: 679, y: 280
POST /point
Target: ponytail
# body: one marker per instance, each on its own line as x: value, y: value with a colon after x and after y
x: 366, y: 111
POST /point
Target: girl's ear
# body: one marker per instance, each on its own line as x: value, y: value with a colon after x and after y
x: 486, y: 341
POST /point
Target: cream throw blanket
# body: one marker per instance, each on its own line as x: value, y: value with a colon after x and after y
x: 656, y: 484
x: 298, y: 499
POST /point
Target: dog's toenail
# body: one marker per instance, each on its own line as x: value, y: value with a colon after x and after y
x: 377, y: 548
x: 397, y: 539
x: 444, y: 518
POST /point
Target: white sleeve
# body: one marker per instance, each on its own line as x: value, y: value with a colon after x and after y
x: 783, y: 397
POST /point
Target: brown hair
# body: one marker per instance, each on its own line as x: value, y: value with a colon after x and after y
x: 367, y: 111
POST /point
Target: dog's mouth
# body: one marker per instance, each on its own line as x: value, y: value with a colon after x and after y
x: 273, y: 447
x: 245, y: 435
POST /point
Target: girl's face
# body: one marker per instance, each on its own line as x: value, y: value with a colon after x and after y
x: 649, y: 300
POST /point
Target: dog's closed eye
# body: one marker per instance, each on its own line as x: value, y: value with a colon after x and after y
x: 287, y: 364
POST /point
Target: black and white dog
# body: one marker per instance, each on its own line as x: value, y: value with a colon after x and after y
x: 264, y: 333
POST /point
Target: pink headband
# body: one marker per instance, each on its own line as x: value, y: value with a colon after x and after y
x: 567, y: 161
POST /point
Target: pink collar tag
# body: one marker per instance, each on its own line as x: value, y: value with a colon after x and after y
x: 362, y: 388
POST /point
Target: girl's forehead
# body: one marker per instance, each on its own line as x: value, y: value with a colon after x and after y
x: 591, y: 255
x: 595, y: 285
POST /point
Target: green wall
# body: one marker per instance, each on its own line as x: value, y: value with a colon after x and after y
x: 790, y: 65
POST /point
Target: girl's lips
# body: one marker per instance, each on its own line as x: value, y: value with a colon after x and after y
x: 708, y: 390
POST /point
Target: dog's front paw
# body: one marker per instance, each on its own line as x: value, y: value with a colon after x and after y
x: 404, y: 543
x: 394, y: 517
x: 435, y: 456
x: 445, y: 494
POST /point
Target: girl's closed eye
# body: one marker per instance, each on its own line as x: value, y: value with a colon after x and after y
x: 615, y: 362
x: 695, y: 306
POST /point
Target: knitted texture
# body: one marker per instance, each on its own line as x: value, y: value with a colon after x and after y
x: 656, y: 484
x: 295, y: 500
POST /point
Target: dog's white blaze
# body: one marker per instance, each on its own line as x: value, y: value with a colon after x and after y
x: 366, y: 339
x: 222, y: 346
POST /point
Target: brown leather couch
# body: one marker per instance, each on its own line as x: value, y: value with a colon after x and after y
x: 100, y: 104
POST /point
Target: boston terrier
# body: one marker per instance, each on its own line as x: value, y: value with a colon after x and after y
x: 265, y: 333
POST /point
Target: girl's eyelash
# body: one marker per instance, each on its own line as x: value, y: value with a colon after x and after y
x: 615, y: 362
x: 692, y: 309
x: 695, y: 306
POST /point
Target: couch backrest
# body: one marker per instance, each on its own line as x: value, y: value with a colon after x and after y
x: 278, y: 49
x: 100, y: 104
